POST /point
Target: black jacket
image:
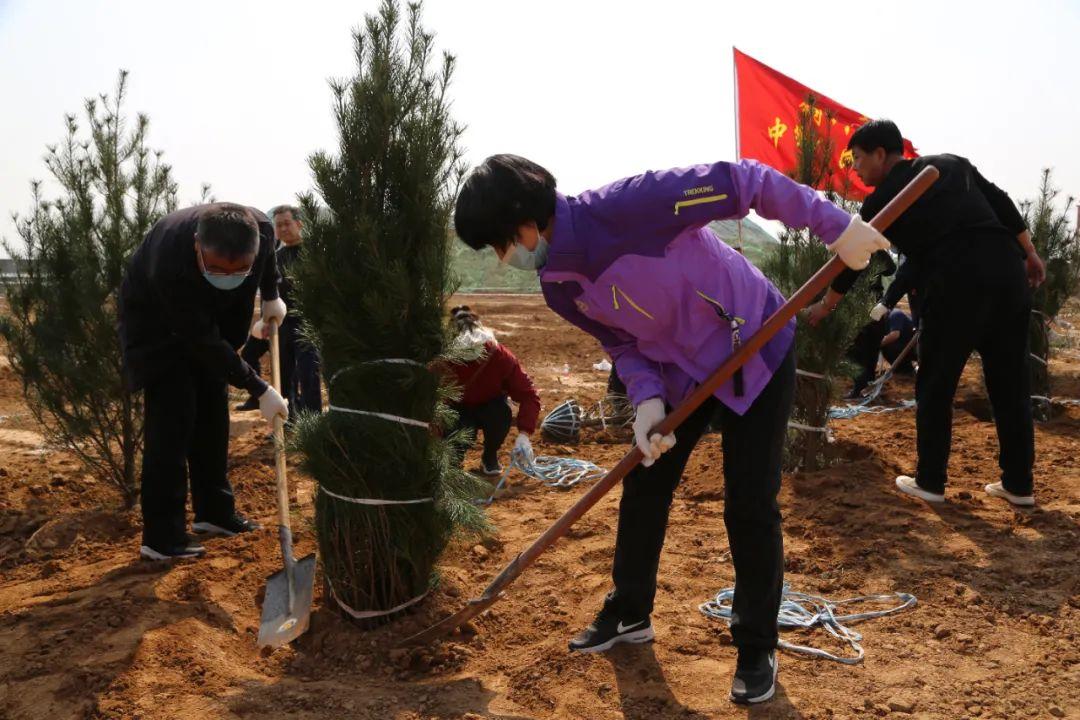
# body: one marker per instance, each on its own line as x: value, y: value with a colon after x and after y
x: 170, y: 314
x: 903, y: 284
x: 286, y: 256
x: 962, y: 206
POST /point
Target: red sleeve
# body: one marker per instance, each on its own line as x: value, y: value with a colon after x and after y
x: 519, y: 386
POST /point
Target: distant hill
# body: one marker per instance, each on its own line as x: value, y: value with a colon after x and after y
x: 756, y: 243
x: 482, y: 271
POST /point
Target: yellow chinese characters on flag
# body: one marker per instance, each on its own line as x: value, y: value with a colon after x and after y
x: 767, y: 112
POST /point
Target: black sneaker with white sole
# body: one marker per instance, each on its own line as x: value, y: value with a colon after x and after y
x: 491, y: 469
x: 755, y: 676
x: 607, y: 630
x: 227, y: 528
x: 160, y: 551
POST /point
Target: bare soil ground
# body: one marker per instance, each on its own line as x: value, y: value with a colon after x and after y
x: 89, y: 631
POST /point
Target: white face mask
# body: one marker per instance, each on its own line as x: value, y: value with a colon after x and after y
x: 475, y: 337
x: 523, y: 259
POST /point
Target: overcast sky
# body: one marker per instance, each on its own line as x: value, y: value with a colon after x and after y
x: 594, y: 90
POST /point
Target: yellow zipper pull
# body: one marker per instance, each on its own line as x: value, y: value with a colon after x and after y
x: 630, y: 300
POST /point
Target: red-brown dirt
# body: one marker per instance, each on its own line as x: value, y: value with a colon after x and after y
x: 89, y: 631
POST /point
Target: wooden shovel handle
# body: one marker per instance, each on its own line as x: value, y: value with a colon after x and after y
x: 279, y: 436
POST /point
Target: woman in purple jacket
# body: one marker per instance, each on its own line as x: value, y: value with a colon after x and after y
x: 634, y: 265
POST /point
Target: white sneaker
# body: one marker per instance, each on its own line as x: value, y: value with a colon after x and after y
x: 998, y: 490
x: 907, y: 485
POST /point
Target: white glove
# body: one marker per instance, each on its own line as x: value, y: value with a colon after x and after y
x: 879, y: 312
x: 524, y: 446
x: 275, y: 309
x: 271, y: 404
x: 858, y: 242
x: 649, y: 414
x: 258, y: 330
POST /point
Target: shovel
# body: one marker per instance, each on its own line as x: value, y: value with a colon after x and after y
x: 287, y: 601
x: 722, y: 374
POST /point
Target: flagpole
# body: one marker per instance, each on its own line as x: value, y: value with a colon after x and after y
x: 735, y: 88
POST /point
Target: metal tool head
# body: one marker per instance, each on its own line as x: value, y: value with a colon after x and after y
x: 563, y: 424
x: 280, y: 623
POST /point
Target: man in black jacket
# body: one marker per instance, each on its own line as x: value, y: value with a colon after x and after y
x: 300, y: 376
x: 975, y: 264
x: 185, y: 308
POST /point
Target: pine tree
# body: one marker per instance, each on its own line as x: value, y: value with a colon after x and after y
x: 372, y: 284
x: 819, y: 350
x: 61, y: 330
x: 1059, y: 247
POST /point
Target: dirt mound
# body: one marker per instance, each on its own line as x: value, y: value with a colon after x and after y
x: 90, y: 631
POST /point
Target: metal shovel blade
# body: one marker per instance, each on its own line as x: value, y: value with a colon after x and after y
x: 280, y: 623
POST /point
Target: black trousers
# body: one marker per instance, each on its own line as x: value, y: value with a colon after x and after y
x: 300, y: 371
x: 981, y: 302
x: 300, y: 375
x: 187, y: 436
x: 753, y: 446
x: 864, y: 352
x: 493, y: 418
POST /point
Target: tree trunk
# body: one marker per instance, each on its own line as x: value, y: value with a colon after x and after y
x: 1039, y: 364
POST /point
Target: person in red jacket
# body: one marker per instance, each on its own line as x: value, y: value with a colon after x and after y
x: 486, y: 382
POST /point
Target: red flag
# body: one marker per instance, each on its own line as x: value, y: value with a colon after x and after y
x: 767, y: 117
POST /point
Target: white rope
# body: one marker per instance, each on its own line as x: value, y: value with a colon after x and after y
x: 557, y: 471
x: 552, y: 471
x: 384, y: 416
x: 807, y: 428
x: 364, y: 614
x: 804, y: 611
x: 384, y: 361
x: 372, y: 501
x: 1038, y: 359
x: 1056, y: 400
x: 807, y: 373
x: 849, y: 411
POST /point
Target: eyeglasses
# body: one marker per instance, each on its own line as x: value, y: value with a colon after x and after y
x: 202, y: 262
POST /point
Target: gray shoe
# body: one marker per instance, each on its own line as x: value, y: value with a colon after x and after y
x: 998, y: 490
x: 908, y: 485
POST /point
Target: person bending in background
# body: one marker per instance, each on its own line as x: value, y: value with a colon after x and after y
x: 486, y: 383
x: 901, y: 329
x: 886, y: 336
x: 865, y: 348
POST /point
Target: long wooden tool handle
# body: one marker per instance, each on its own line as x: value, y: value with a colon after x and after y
x: 773, y: 324
x: 279, y: 449
x: 912, y: 343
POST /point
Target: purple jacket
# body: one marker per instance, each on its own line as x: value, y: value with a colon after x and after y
x: 633, y: 265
